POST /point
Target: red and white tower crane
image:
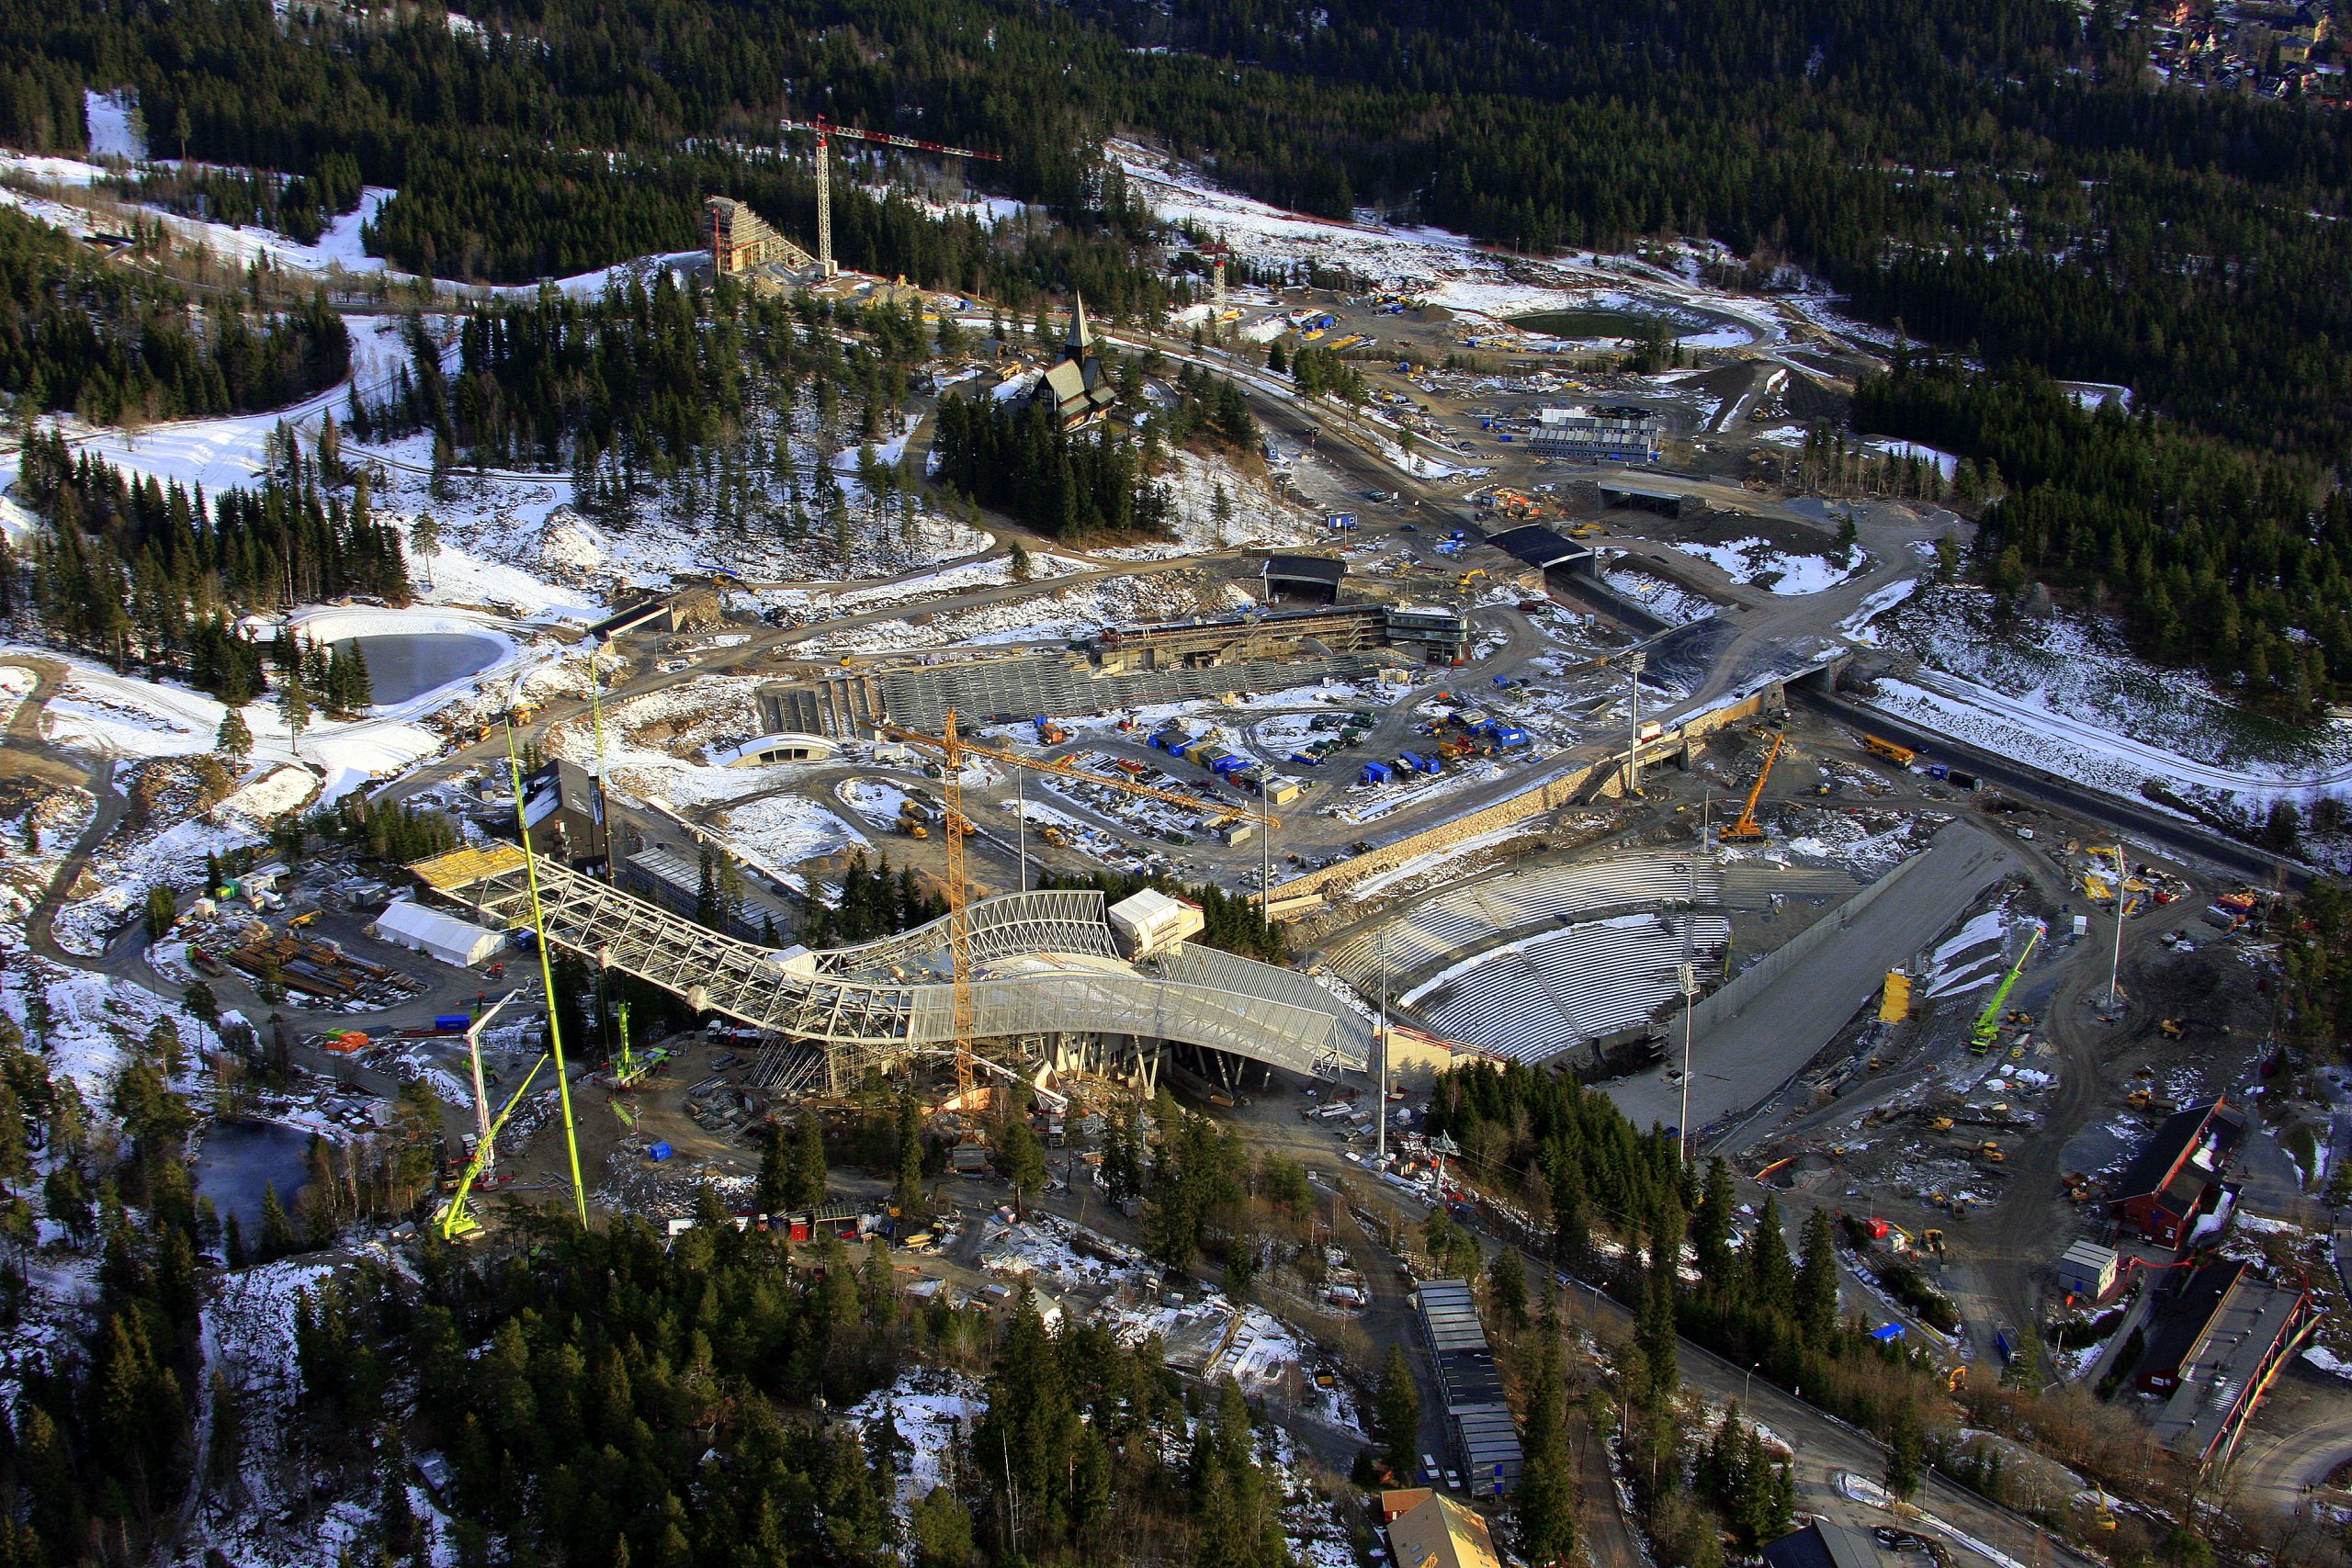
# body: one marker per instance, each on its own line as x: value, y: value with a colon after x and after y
x: 826, y: 131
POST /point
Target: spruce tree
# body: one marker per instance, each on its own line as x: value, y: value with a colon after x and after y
x: 1816, y: 1287
x: 1771, y: 1277
x: 1507, y: 1286
x: 1396, y: 1414
x: 807, y: 1184
x: 1906, y: 1453
x: 1545, y: 1503
x: 773, y: 1192
x: 906, y: 1196
x: 1711, y: 1227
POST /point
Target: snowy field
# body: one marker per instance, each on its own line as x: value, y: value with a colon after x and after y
x: 1444, y: 268
x: 787, y: 829
x: 96, y: 1022
x: 1759, y: 563
x: 1052, y: 617
x: 1666, y: 600
x: 2073, y: 699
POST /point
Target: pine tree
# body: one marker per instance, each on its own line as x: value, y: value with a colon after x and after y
x: 424, y: 542
x: 234, y: 741
x: 1021, y: 1158
x: 294, y: 704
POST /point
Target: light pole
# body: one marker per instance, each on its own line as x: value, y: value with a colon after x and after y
x: 1746, y: 1382
x: 1380, y: 1068
x: 1634, y: 662
x: 1687, y: 974
x: 2115, y: 958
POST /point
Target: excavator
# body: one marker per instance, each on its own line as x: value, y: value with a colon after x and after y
x: 1745, y: 831
x: 1988, y: 1022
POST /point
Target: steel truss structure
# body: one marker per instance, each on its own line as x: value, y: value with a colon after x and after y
x: 1046, y: 964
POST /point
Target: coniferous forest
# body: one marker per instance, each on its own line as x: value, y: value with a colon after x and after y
x: 119, y: 346
x: 2068, y: 228
x: 2001, y: 180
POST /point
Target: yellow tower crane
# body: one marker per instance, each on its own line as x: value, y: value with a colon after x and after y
x: 1745, y: 831
x: 953, y: 748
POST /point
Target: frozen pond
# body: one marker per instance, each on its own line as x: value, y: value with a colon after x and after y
x: 241, y: 1160
x: 408, y: 664
x: 1607, y: 321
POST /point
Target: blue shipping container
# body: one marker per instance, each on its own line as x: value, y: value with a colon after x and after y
x: 1225, y: 765
x: 452, y: 1020
x: 1376, y: 773
x: 660, y: 1152
x: 1889, y: 1334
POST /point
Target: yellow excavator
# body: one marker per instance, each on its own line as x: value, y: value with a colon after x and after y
x: 1745, y: 831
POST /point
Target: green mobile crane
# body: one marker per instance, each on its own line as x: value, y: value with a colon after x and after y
x: 1988, y: 1022
x: 454, y: 1220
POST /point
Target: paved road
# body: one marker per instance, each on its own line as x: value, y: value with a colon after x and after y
x: 1825, y: 1447
x: 25, y: 752
x: 1735, y: 1065
x: 2282, y: 1469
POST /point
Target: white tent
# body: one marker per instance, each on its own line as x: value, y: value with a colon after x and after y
x: 452, y: 941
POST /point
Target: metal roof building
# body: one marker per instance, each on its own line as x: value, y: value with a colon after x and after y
x: 1539, y: 545
x: 1643, y: 498
x: 1486, y: 1439
x: 1303, y: 577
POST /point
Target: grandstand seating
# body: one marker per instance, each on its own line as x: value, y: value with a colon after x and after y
x: 1536, y: 999
x: 1461, y: 919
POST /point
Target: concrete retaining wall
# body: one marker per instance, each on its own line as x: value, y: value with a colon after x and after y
x: 1601, y: 779
x: 1726, y: 1003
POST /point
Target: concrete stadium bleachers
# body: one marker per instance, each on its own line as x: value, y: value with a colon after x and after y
x: 1460, y: 919
x: 1534, y: 999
